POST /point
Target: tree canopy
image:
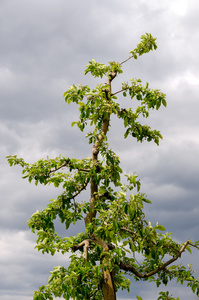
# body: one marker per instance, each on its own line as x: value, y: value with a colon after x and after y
x: 116, y: 231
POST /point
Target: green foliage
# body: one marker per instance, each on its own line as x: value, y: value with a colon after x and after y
x: 165, y: 296
x: 116, y: 231
x: 147, y: 44
x: 99, y: 70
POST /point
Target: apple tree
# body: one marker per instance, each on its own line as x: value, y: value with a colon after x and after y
x: 116, y: 231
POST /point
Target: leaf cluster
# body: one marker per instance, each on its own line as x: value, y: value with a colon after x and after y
x: 146, y: 44
x: 98, y: 104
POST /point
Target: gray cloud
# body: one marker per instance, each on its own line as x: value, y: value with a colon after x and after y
x: 44, y: 49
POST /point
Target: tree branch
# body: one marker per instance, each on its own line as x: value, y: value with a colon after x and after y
x: 132, y: 269
x: 60, y: 167
x: 81, y: 189
x: 128, y: 230
x: 95, y: 151
x: 193, y: 245
x: 126, y: 60
x: 66, y: 164
x: 118, y: 92
x: 85, y: 244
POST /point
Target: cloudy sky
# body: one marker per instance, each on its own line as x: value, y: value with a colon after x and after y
x: 45, y: 46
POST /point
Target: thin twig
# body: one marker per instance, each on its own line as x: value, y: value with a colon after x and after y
x: 67, y: 165
x: 118, y: 92
x: 55, y: 170
x: 81, y: 189
x: 128, y: 230
x: 194, y: 245
x: 126, y: 60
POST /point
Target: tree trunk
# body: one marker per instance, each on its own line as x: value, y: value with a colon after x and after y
x: 108, y: 289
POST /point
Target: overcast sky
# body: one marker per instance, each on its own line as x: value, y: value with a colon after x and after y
x: 45, y: 46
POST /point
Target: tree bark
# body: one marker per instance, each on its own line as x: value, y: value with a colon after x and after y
x: 108, y: 288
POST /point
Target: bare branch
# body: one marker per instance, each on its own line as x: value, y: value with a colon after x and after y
x: 118, y: 92
x: 60, y: 167
x: 81, y: 189
x: 128, y: 230
x: 126, y: 60
x: 194, y: 245
x: 124, y: 89
x: 85, y: 244
x: 84, y: 170
x: 77, y: 192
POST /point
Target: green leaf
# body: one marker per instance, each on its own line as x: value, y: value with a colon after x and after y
x: 126, y: 206
x: 125, y: 243
x: 164, y: 102
x: 147, y: 200
x: 189, y: 249
x: 139, y: 298
x: 73, y: 123
x: 115, y: 226
x: 131, y: 213
x: 97, y: 270
x: 159, y: 227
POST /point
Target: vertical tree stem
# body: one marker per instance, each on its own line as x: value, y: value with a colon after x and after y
x: 108, y: 283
